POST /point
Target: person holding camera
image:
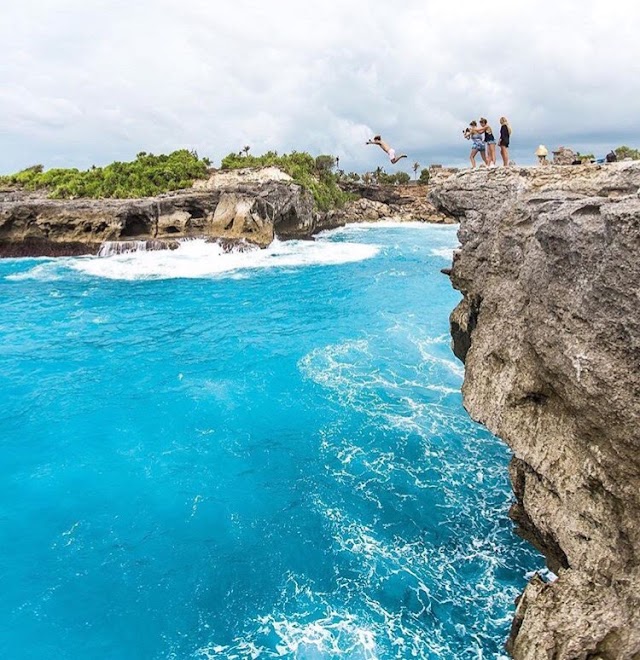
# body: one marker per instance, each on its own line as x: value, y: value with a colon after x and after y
x: 475, y: 134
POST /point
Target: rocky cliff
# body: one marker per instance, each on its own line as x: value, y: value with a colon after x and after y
x: 241, y: 206
x: 248, y: 205
x: 549, y: 330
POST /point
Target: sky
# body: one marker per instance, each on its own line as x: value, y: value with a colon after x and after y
x: 87, y: 82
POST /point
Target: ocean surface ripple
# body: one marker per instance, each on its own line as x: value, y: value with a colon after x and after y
x: 251, y: 455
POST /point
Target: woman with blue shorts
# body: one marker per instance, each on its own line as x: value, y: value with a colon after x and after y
x: 474, y: 134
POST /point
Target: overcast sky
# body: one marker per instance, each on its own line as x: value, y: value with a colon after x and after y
x: 86, y: 82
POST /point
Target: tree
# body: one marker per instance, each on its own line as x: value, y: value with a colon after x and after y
x: 416, y: 167
x: 245, y: 150
x: 325, y: 163
x: 425, y: 175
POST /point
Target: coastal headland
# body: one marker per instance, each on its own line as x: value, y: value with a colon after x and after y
x: 250, y: 205
x: 549, y: 331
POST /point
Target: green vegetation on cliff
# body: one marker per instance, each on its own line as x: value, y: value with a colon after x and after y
x: 315, y: 174
x: 146, y: 176
x: 627, y: 152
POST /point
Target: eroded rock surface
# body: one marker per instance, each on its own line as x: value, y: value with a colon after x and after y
x: 408, y: 203
x: 255, y: 208
x: 251, y: 205
x: 549, y: 329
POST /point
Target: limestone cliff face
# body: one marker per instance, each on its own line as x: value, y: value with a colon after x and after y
x: 549, y: 330
x: 252, y: 207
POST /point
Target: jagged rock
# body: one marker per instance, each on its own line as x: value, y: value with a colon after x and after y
x: 233, y: 178
x: 549, y: 329
x: 234, y: 244
x: 563, y: 156
x: 401, y: 203
x: 256, y: 209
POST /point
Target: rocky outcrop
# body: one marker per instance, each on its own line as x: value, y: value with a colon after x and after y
x: 251, y: 205
x: 254, y: 208
x: 406, y: 203
x: 563, y: 156
x: 549, y: 330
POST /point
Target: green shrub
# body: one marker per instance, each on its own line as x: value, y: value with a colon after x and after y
x: 314, y: 174
x: 381, y: 177
x: 627, y: 152
x: 146, y: 176
x: 325, y: 163
x: 424, y: 175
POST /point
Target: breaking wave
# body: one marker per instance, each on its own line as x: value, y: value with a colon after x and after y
x: 200, y: 259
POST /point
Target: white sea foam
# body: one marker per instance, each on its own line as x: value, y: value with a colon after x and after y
x: 44, y: 272
x: 388, y: 224
x: 452, y: 366
x: 444, y: 252
x: 199, y: 259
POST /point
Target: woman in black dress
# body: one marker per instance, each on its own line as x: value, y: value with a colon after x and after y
x: 505, y: 136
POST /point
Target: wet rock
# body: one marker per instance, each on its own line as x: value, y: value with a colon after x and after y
x: 38, y: 247
x: 229, y: 245
x: 111, y: 248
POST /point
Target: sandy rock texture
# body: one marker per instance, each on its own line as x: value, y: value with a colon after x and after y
x: 549, y: 330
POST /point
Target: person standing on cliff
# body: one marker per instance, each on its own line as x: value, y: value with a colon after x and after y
x: 505, y: 136
x: 387, y: 149
x: 489, y: 141
x: 474, y: 134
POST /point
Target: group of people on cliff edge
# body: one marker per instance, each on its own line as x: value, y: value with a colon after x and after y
x: 483, y: 141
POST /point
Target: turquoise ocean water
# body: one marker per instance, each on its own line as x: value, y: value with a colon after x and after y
x: 254, y: 455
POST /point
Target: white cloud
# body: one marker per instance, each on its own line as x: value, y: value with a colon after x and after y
x: 85, y: 83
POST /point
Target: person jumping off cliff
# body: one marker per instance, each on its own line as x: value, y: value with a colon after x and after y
x: 387, y: 149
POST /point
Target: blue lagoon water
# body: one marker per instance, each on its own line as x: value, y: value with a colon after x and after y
x: 255, y: 455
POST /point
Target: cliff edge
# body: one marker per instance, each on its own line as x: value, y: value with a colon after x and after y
x: 549, y: 331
